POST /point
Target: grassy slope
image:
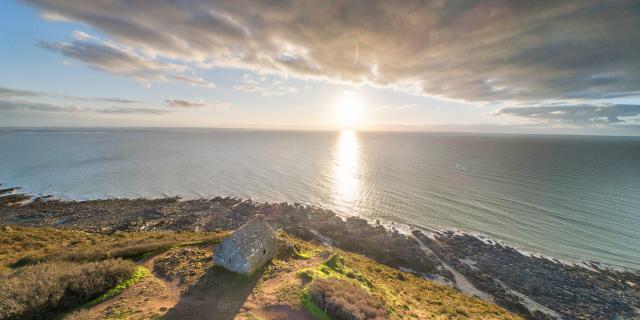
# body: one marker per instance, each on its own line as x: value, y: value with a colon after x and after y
x: 405, y: 295
x: 28, y: 245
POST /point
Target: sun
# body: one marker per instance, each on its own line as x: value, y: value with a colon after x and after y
x: 349, y: 113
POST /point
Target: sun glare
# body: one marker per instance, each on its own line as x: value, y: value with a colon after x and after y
x: 349, y: 112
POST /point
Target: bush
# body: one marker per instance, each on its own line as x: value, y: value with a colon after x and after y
x: 33, y: 292
x: 344, y: 300
x: 22, y: 246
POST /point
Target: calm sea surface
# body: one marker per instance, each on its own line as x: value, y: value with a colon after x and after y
x: 565, y: 196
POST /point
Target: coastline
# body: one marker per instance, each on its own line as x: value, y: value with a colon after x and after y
x: 534, y: 286
x: 404, y: 228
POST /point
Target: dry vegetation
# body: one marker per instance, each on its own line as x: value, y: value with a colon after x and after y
x: 405, y: 296
x: 20, y: 246
x: 186, y: 265
x: 32, y: 292
x: 48, y: 270
x: 343, y: 300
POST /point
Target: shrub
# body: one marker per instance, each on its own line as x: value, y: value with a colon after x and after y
x: 21, y: 246
x: 36, y: 291
x: 344, y: 300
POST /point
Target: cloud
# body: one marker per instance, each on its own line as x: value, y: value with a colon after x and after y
x: 474, y: 50
x: 121, y: 110
x: 193, y: 80
x: 21, y: 105
x: 30, y: 106
x: 7, y: 92
x: 399, y: 107
x: 15, y: 93
x: 262, y: 86
x: 178, y: 103
x: 118, y: 100
x: 120, y: 60
x: 577, y: 114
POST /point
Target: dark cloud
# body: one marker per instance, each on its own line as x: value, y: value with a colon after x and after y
x: 577, y: 114
x: 477, y: 50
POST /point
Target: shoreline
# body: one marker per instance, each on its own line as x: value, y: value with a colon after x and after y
x: 401, y: 227
x: 534, y: 286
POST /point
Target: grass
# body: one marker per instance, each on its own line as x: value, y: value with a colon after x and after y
x: 138, y: 274
x: 405, y: 295
x: 333, y: 268
x: 59, y: 286
x: 21, y: 246
x: 311, y: 307
x: 33, y: 292
x: 48, y: 270
x: 343, y: 300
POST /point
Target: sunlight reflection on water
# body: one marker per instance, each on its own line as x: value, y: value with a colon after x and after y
x: 346, y: 170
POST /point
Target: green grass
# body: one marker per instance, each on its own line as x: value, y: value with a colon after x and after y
x: 138, y: 274
x: 334, y: 268
x: 404, y: 295
x: 306, y: 254
x: 311, y: 307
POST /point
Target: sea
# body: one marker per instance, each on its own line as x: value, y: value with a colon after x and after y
x: 574, y: 198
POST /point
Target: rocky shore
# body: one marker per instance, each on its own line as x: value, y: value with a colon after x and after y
x: 535, y: 287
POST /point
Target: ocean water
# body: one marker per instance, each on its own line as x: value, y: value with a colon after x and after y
x: 571, y: 197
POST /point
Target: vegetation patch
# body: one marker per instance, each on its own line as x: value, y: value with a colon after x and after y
x: 34, y: 292
x: 21, y: 246
x: 289, y: 280
x: 405, y: 296
x: 312, y: 308
x: 343, y: 300
x: 27, y: 245
x: 292, y: 248
x: 185, y: 264
x: 333, y: 268
x: 138, y: 274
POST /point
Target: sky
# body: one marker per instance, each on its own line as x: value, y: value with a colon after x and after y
x: 487, y: 66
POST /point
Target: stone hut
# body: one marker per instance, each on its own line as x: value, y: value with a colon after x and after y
x: 248, y: 248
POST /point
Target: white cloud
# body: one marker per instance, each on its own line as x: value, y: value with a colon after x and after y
x: 30, y: 106
x: 262, y: 86
x: 123, y: 60
x: 180, y: 103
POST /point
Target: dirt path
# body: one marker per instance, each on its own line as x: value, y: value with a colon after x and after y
x: 271, y: 293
